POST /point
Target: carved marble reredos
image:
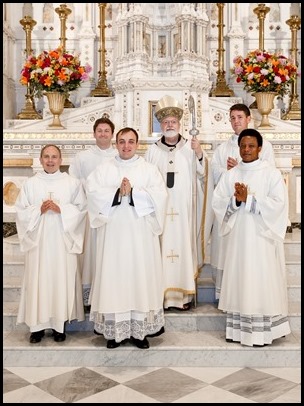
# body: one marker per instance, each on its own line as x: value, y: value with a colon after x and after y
x: 81, y: 119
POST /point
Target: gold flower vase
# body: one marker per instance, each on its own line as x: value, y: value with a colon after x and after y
x: 264, y: 102
x: 56, y: 104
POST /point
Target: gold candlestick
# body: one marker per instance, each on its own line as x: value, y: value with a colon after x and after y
x: 294, y: 110
x: 29, y: 111
x: 261, y: 10
x: 102, y: 89
x: 63, y: 11
x: 221, y: 88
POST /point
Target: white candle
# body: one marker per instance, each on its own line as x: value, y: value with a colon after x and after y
x: 28, y: 9
x: 294, y: 9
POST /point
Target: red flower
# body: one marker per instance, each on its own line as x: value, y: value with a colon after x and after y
x: 261, y: 71
x: 54, y: 71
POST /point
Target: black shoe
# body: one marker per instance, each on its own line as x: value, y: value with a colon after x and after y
x: 58, y: 337
x: 158, y: 333
x: 36, y: 336
x: 112, y: 344
x: 87, y: 308
x: 96, y: 332
x: 143, y: 344
x: 229, y: 340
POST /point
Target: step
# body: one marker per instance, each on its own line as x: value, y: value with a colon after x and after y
x: 13, y: 268
x: 292, y: 247
x: 11, y: 249
x: 294, y: 315
x: 205, y: 290
x: 205, y: 317
x: 171, y: 349
x: 293, y: 272
x: 13, y: 273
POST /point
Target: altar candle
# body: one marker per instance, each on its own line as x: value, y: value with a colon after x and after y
x: 294, y: 9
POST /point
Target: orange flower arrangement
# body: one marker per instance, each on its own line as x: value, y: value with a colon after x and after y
x: 55, y: 70
x: 264, y: 72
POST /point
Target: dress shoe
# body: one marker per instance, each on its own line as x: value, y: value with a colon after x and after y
x: 259, y: 345
x: 158, y: 333
x: 58, y: 337
x: 87, y: 308
x: 229, y: 340
x: 143, y: 344
x: 36, y: 336
x: 112, y: 344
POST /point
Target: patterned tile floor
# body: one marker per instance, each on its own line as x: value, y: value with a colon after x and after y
x: 151, y: 385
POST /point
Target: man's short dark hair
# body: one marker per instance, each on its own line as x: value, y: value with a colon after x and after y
x: 240, y: 107
x: 126, y: 130
x: 251, y: 132
x: 47, y: 146
x: 104, y: 120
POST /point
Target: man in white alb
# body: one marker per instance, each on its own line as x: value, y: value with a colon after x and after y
x: 81, y: 166
x: 226, y: 156
x: 126, y: 204
x: 50, y: 219
x: 251, y: 206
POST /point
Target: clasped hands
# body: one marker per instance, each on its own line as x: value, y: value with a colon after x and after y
x: 240, y: 192
x: 125, y: 187
x: 49, y: 205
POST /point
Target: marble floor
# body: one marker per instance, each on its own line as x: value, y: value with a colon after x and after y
x: 151, y: 385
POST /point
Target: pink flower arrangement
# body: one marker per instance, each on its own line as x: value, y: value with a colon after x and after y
x: 262, y: 71
x: 55, y: 70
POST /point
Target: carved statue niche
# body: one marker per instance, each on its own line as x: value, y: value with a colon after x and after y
x: 162, y: 46
x: 48, y: 13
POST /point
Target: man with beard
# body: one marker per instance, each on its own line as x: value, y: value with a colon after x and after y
x: 184, y: 167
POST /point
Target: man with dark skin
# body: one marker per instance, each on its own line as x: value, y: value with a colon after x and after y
x: 251, y: 206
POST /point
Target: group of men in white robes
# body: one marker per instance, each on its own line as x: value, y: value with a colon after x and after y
x: 145, y: 231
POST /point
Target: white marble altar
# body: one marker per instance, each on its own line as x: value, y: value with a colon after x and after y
x: 151, y: 50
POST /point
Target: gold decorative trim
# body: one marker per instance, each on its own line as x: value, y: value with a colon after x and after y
x: 296, y: 162
x: 17, y: 162
x: 48, y: 136
x: 292, y: 136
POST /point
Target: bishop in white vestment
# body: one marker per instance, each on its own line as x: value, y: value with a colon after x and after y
x: 185, y: 169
